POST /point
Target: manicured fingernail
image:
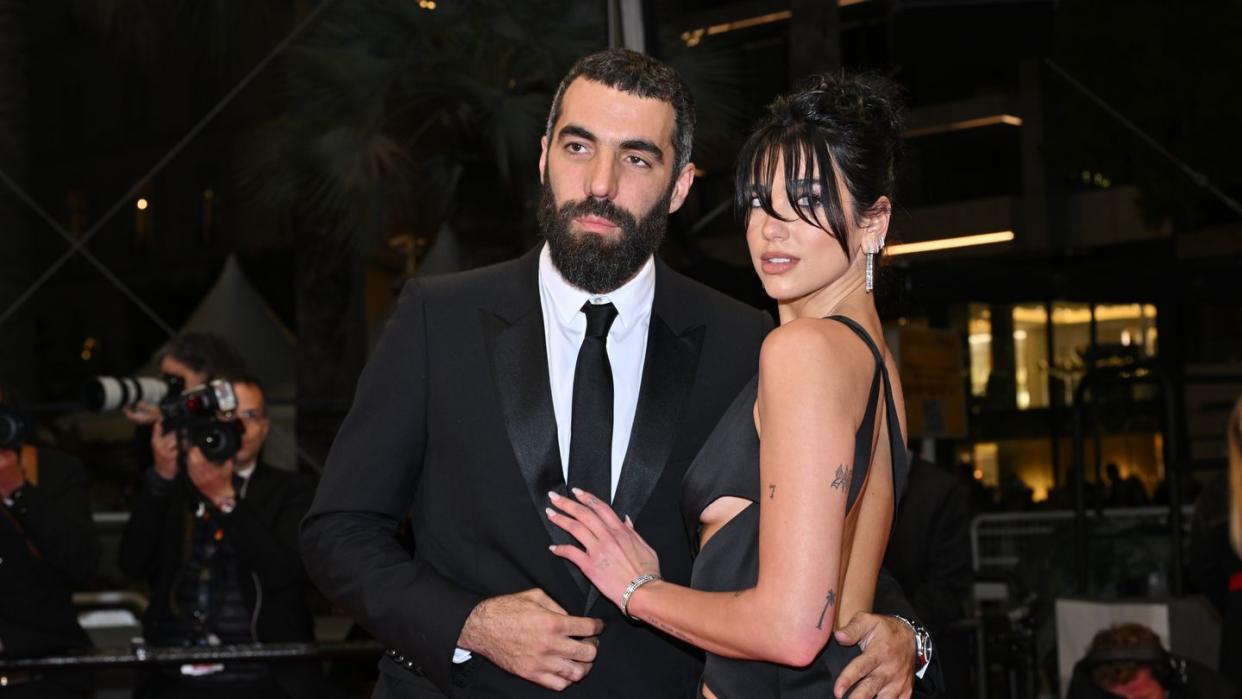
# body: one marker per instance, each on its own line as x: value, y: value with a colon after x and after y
x: 552, y: 494
x: 551, y: 512
x: 578, y: 491
x: 552, y: 548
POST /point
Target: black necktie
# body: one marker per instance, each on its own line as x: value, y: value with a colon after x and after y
x: 590, y: 434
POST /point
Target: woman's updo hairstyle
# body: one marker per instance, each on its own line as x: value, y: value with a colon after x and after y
x: 838, y: 124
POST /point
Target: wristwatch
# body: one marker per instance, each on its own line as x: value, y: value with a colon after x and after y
x: 922, y: 646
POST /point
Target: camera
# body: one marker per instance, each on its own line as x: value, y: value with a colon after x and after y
x: 196, y: 413
x: 201, y: 402
x: 12, y: 428
x: 104, y: 393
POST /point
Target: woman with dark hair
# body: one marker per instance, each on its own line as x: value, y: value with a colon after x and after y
x: 794, y: 492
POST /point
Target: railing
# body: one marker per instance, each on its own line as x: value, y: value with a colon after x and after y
x: 998, y: 541
x: 141, y: 655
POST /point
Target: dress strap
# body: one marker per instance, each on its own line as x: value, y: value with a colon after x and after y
x: 864, y: 438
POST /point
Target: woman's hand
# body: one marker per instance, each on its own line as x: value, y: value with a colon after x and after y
x: 612, y: 553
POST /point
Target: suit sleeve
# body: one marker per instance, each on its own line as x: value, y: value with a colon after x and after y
x: 943, y: 591
x: 348, y: 537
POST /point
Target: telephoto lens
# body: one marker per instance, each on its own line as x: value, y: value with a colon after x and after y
x: 104, y: 393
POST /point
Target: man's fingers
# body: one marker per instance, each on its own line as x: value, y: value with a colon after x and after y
x: 580, y: 626
x: 858, y: 668
x: 551, y: 680
x: 852, y: 633
x: 867, y: 689
x: 542, y: 599
x: 576, y: 650
x: 895, y: 691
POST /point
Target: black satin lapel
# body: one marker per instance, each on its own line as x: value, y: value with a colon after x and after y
x: 667, y: 378
x: 668, y: 375
x: 520, y: 370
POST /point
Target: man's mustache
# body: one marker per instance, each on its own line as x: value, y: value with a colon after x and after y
x: 600, y: 208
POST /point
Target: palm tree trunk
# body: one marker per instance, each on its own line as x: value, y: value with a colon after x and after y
x: 18, y: 367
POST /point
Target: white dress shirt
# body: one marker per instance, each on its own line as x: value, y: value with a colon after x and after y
x: 564, y: 327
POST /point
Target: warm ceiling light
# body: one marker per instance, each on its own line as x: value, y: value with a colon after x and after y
x: 142, y: 204
x: 964, y: 241
x: 692, y: 37
x: 962, y: 125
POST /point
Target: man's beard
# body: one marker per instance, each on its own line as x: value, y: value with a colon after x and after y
x: 593, y: 262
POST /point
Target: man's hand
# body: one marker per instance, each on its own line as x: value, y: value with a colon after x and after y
x: 164, y: 451
x: 141, y: 413
x: 529, y: 635
x: 886, y: 667
x: 11, y: 475
x: 214, y: 481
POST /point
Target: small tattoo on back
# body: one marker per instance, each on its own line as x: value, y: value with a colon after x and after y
x: 771, y: 491
x: 842, y: 478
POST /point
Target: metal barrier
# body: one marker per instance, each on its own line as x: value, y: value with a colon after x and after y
x: 998, y: 540
x: 140, y: 655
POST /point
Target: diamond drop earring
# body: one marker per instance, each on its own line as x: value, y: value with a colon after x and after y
x: 869, y: 282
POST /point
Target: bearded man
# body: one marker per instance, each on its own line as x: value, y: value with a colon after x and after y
x: 585, y: 362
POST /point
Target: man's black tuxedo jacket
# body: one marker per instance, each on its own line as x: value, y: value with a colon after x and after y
x: 452, y: 422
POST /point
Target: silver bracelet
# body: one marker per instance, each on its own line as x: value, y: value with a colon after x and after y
x: 632, y: 587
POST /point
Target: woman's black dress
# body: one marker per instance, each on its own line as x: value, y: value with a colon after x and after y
x: 728, y: 465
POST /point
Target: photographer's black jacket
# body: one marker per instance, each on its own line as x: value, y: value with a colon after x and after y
x: 48, y: 546
x: 263, y: 530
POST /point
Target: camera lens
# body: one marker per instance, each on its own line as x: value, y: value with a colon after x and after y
x: 219, y: 440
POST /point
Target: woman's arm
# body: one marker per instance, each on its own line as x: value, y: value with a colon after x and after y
x: 810, y: 403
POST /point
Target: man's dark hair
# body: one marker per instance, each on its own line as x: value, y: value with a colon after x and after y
x: 206, y: 353
x: 1133, y: 640
x: 252, y: 380
x: 640, y: 75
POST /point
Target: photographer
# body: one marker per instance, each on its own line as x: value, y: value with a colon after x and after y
x: 47, y: 547
x: 188, y: 360
x: 217, y: 541
x: 1129, y: 661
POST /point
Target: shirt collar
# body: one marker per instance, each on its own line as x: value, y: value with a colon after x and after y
x: 245, y: 473
x: 633, y: 299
